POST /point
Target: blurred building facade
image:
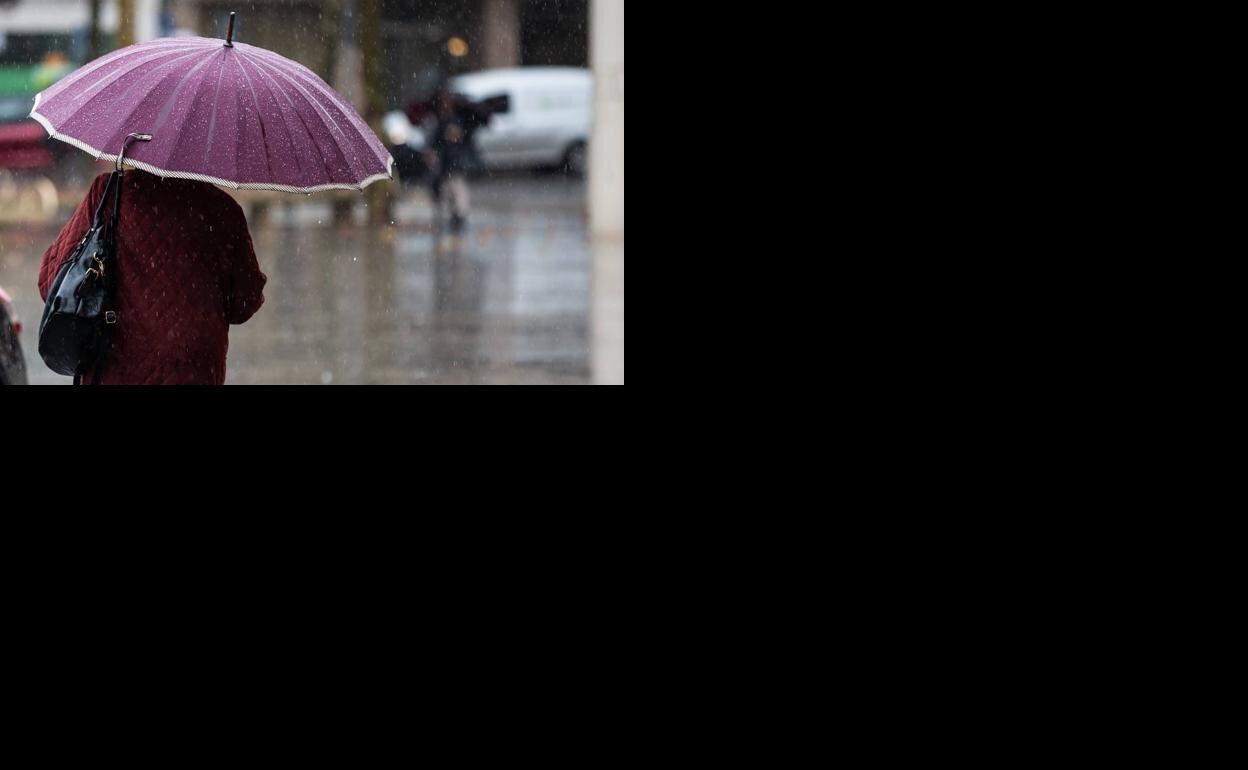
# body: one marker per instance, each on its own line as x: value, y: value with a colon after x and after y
x: 424, y: 40
x: 18, y: 17
x: 33, y: 29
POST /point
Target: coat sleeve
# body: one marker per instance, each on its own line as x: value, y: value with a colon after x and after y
x: 63, y: 247
x: 246, y: 284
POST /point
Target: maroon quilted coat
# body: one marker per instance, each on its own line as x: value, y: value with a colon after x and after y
x: 185, y: 272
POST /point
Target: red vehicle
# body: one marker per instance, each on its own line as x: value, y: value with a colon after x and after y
x: 24, y: 147
x: 12, y: 363
x: 27, y: 167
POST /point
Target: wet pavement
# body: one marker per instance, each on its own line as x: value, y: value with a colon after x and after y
x: 509, y: 303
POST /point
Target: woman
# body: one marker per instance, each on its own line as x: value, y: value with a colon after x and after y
x: 186, y: 271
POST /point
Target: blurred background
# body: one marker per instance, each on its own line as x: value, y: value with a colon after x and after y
x: 375, y: 288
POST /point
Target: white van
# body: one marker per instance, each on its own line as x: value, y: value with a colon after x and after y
x: 548, y: 120
x: 544, y: 120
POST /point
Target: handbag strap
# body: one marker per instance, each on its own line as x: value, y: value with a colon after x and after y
x: 109, y: 237
x: 116, y: 218
x: 114, y: 186
x: 114, y: 180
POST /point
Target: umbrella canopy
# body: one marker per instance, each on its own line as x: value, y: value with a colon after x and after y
x: 232, y: 114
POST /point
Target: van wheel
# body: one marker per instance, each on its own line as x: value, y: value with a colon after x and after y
x: 576, y: 159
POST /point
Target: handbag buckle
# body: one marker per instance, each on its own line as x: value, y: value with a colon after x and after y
x: 110, y: 318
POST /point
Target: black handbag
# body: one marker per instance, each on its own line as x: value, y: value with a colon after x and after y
x: 75, y: 334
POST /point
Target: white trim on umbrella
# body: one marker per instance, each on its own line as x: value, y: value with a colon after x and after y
x: 101, y: 155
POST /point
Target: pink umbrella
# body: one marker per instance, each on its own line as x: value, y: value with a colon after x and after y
x: 227, y: 113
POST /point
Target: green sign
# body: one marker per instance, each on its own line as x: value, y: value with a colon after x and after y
x: 28, y: 81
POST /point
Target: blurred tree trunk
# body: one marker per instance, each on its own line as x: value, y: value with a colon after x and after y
x: 125, y: 23
x: 332, y: 43
x: 331, y: 37
x: 380, y: 200
x: 371, y: 44
x: 500, y: 33
x: 95, y: 40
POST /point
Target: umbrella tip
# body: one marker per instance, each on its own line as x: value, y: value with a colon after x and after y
x: 229, y: 36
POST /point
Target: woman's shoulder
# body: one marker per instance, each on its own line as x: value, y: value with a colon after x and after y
x: 204, y: 194
x: 148, y: 188
x: 99, y: 183
x: 221, y: 197
x: 96, y: 190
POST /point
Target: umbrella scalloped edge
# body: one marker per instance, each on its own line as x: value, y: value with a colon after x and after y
x: 160, y: 172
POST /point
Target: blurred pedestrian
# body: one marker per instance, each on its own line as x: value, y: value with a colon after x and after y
x: 186, y: 271
x: 449, y: 149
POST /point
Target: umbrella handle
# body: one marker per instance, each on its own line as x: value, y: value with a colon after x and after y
x: 132, y: 138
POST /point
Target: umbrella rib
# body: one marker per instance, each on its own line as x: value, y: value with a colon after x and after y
x: 337, y: 135
x: 91, y: 68
x: 110, y: 79
x: 216, y: 100
x: 125, y: 127
x: 310, y: 78
x: 101, y: 87
x: 169, y: 104
x: 290, y: 137
x: 277, y: 89
x: 97, y: 88
x: 255, y: 100
x: 332, y: 124
x: 183, y: 139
